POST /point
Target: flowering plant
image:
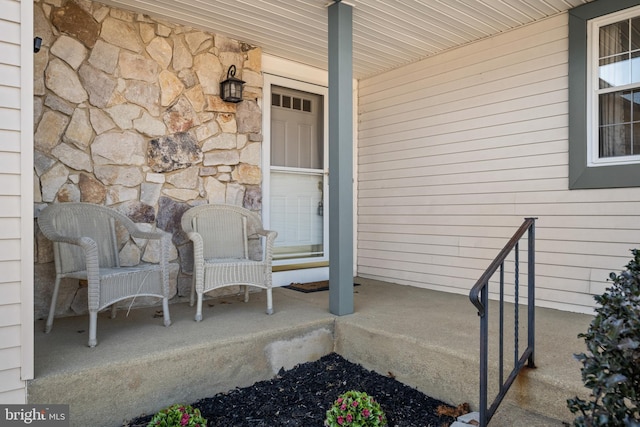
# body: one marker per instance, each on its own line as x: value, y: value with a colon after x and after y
x: 355, y: 409
x: 177, y: 416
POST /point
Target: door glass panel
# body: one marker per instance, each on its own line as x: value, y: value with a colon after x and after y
x: 296, y: 214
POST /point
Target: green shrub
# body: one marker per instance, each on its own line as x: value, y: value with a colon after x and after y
x: 611, y: 367
x: 177, y: 416
x: 355, y: 409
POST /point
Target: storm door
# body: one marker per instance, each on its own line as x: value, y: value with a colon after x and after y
x: 297, y: 177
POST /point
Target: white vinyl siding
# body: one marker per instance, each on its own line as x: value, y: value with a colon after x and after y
x: 15, y: 207
x: 456, y: 150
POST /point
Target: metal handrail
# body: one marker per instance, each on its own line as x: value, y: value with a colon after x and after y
x: 479, y: 296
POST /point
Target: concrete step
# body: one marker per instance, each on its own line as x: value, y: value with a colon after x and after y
x: 435, y: 349
x: 426, y: 339
x: 508, y: 415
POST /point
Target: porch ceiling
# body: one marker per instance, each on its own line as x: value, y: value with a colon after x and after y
x: 386, y: 34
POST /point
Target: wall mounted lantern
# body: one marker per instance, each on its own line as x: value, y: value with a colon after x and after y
x: 231, y: 89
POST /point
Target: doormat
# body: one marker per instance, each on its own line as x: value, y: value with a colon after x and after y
x: 322, y: 285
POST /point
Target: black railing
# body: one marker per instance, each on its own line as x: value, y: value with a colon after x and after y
x: 479, y: 296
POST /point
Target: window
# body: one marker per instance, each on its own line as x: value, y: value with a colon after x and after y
x: 614, y: 67
x: 300, y: 104
x: 604, y: 94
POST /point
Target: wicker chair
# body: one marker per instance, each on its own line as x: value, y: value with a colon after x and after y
x: 228, y: 250
x: 85, y: 247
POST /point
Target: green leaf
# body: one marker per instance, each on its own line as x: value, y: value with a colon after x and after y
x: 615, y: 379
x: 611, y: 366
x: 628, y: 344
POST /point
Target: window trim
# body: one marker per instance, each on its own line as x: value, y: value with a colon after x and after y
x: 581, y: 175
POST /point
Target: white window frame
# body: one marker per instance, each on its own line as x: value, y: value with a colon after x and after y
x: 593, y: 90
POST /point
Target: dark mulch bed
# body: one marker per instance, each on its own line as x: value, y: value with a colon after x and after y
x: 302, y: 396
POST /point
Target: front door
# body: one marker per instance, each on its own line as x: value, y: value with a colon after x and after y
x: 297, y: 200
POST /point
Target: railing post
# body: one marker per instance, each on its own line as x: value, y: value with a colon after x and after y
x: 484, y: 355
x: 531, y: 285
x: 501, y: 323
x: 516, y: 306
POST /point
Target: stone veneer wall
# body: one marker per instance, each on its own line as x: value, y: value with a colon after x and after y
x: 128, y: 115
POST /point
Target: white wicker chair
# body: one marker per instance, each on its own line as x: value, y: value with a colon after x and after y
x: 85, y: 247
x: 228, y: 250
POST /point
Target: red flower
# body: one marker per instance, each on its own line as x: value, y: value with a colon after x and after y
x: 185, y: 420
x: 355, y: 403
x: 349, y: 418
x: 340, y: 420
x: 366, y: 413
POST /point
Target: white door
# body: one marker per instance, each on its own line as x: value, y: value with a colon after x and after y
x: 297, y: 172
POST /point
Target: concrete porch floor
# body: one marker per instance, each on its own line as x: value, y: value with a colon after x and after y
x: 427, y: 339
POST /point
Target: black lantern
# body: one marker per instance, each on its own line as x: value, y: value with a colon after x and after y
x: 37, y: 44
x: 231, y: 89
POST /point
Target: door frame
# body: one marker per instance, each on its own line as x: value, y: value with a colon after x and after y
x: 284, y: 274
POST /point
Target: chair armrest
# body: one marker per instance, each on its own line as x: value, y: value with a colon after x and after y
x: 50, y: 232
x: 198, y: 247
x: 270, y: 237
x: 136, y: 232
x: 196, y: 238
x: 198, y: 259
x: 165, y: 243
x: 90, y: 250
x: 87, y: 244
x: 269, y: 234
x: 55, y: 237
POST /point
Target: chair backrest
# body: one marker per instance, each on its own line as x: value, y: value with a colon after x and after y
x: 224, y: 234
x: 224, y: 228
x: 81, y: 220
